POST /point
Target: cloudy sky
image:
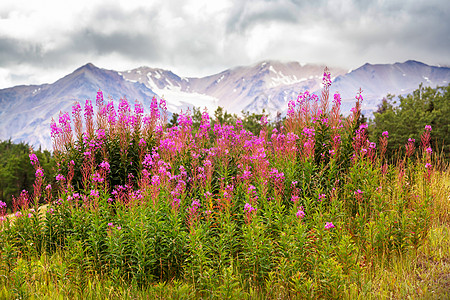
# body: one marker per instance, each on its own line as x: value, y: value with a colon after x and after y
x: 41, y: 41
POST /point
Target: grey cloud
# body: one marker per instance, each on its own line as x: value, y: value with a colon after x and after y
x: 133, y: 45
x: 89, y: 39
x: 424, y: 29
x: 363, y: 30
x: 127, y: 38
x: 14, y: 51
x: 247, y: 14
x: 84, y: 42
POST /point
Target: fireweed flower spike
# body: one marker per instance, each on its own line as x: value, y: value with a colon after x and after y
x: 97, y: 178
x: 300, y: 213
x: 337, y: 99
x: 358, y: 192
x: 329, y: 225
x: 60, y: 177
x: 383, y: 142
x: 39, y: 173
x: 249, y: 208
x: 99, y: 99
x: 176, y: 203
x: 2, y: 209
x: 94, y: 193
x: 105, y: 166
x: 193, y: 213
x: 410, y: 147
x: 425, y: 138
x: 249, y: 211
x: 34, y: 160
x: 326, y: 80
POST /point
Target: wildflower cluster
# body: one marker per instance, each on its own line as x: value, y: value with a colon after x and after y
x: 151, y: 203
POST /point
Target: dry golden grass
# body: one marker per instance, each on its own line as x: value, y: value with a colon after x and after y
x: 424, y: 274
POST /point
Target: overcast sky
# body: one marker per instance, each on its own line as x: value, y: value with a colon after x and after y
x: 41, y: 41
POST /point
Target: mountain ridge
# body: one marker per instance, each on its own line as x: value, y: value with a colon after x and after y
x: 26, y: 110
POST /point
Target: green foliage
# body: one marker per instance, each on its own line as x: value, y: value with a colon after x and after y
x: 223, y: 117
x: 16, y: 172
x: 406, y: 118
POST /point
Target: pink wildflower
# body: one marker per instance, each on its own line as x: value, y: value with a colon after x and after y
x: 248, y: 208
x: 94, y: 193
x: 34, y: 160
x: 60, y: 177
x: 329, y: 225
x: 337, y: 99
x: 300, y: 214
x: 97, y: 177
x: 105, y: 166
x: 39, y: 172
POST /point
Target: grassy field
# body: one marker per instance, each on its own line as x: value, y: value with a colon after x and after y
x: 420, y: 274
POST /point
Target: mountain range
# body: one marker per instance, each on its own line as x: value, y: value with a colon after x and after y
x: 26, y: 111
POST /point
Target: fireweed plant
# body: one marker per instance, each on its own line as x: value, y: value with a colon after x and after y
x: 299, y: 210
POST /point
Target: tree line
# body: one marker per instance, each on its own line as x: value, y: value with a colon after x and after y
x: 405, y: 117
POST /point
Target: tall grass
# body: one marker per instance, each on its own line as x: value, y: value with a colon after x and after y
x: 311, y: 210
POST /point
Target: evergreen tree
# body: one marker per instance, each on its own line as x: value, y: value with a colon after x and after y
x: 16, y: 171
x: 406, y: 118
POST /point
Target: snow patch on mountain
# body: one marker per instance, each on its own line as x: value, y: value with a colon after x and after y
x: 26, y: 111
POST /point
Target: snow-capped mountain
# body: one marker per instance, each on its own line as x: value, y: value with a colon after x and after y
x: 377, y: 81
x: 26, y: 111
x: 266, y: 85
x: 270, y: 85
x: 176, y: 90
